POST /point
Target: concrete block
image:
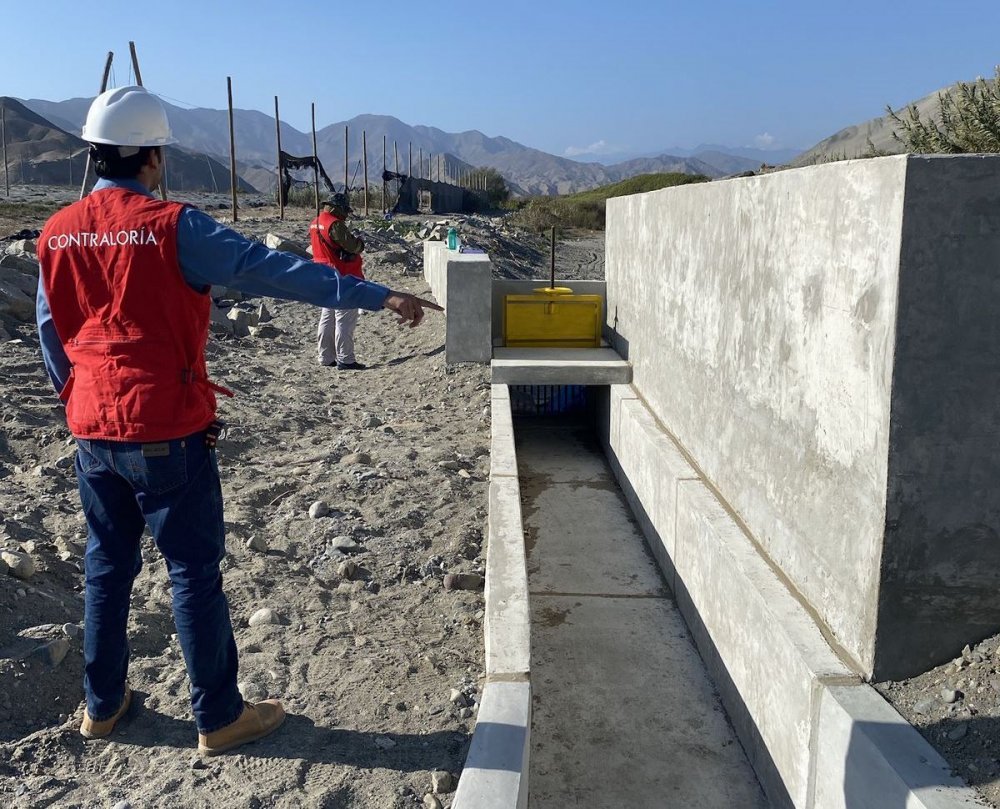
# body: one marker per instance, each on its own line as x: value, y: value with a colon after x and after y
x: 496, y: 770
x: 559, y: 366
x: 503, y: 456
x: 617, y: 393
x: 461, y: 283
x: 761, y: 647
x: 500, y: 392
x: 868, y: 757
x: 508, y: 621
x: 653, y: 465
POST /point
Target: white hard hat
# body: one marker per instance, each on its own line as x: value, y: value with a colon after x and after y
x: 127, y: 116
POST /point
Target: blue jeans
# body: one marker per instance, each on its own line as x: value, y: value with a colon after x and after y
x: 173, y: 487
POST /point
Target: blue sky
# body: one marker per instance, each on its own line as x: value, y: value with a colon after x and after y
x: 607, y: 79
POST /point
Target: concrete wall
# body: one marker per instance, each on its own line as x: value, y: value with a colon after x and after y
x: 461, y: 284
x: 760, y: 317
x: 816, y: 735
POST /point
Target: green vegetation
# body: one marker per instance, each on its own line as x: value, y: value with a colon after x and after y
x: 17, y: 209
x: 969, y: 121
x: 586, y: 209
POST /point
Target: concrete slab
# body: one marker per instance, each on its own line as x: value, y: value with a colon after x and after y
x: 507, y: 623
x: 869, y: 757
x: 762, y: 648
x: 503, y: 458
x: 559, y: 366
x: 496, y: 770
x: 580, y: 535
x: 624, y: 714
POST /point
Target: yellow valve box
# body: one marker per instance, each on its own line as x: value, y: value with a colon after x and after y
x: 552, y: 318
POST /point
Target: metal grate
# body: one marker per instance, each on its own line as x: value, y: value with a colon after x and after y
x: 551, y: 400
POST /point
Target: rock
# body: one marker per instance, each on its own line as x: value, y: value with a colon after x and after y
x: 198, y: 764
x: 219, y: 323
x: 256, y: 543
x: 466, y: 713
x: 432, y: 802
x: 456, y: 697
x: 122, y: 805
x: 464, y: 473
x: 242, y: 321
x: 27, y: 265
x: 22, y: 247
x: 356, y: 459
x: 347, y: 570
x: 266, y: 330
x: 263, y: 316
x: 251, y: 691
x: 925, y: 706
x: 264, y: 616
x: 395, y: 257
x: 72, y: 630
x: 20, y: 564
x: 52, y: 653
x: 442, y: 782
x: 24, y: 281
x: 959, y: 731
x: 4, y: 568
x: 464, y: 581
x: 384, y: 743
x: 451, y: 466
x: 344, y: 545
x: 370, y: 422
x: 950, y: 695
x: 15, y: 303
x: 318, y: 509
x: 285, y: 245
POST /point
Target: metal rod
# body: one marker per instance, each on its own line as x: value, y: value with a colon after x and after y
x: 315, y: 158
x: 277, y: 130
x: 364, y: 151
x: 104, y: 86
x: 232, y: 145
x: 552, y: 267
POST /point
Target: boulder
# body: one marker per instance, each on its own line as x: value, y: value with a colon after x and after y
x: 285, y: 245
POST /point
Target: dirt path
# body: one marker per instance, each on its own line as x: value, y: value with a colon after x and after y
x: 377, y: 663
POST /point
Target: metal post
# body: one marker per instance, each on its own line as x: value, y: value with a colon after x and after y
x: 364, y: 152
x: 315, y: 159
x: 232, y: 145
x: 104, y: 86
x: 277, y: 130
x: 552, y: 267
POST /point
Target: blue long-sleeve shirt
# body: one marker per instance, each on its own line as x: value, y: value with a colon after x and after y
x: 211, y: 254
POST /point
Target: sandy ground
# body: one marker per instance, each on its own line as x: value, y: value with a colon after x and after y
x: 378, y: 665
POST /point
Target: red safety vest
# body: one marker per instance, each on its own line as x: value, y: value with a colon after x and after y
x: 132, y: 328
x: 327, y: 251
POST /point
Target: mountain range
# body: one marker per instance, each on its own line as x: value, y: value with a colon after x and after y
x: 527, y: 170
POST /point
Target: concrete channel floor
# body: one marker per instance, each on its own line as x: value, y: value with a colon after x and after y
x: 624, y: 713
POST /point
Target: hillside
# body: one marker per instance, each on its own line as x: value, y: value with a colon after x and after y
x: 853, y: 141
x: 40, y: 152
x: 528, y: 170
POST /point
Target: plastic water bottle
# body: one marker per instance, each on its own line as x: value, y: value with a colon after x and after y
x: 452, y: 239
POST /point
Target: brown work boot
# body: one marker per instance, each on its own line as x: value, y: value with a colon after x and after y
x: 257, y: 720
x: 92, y: 729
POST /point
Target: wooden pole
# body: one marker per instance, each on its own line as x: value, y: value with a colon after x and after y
x: 104, y: 86
x: 420, y: 164
x: 3, y: 133
x: 384, y: 169
x: 315, y: 158
x: 163, y: 152
x: 346, y: 168
x: 395, y: 153
x: 277, y: 131
x: 232, y: 146
x: 364, y: 152
x: 135, y: 63
x: 409, y: 172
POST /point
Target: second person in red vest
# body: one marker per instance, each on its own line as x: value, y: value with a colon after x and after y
x: 334, y: 244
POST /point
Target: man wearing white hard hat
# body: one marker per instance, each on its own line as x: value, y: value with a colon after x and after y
x: 123, y: 317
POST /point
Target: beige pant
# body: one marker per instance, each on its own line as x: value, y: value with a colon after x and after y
x: 336, y: 335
